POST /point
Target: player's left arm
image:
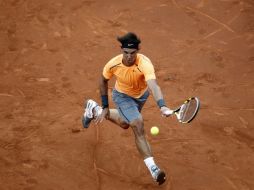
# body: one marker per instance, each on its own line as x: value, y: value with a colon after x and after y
x: 158, y: 97
x: 147, y: 69
x: 155, y: 89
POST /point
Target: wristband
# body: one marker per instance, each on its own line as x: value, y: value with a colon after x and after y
x: 104, y: 100
x: 161, y: 103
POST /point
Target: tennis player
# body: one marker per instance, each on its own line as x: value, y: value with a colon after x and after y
x: 135, y: 79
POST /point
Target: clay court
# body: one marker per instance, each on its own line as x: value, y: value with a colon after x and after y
x: 51, y: 57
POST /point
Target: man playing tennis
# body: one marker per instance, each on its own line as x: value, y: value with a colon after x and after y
x: 135, y: 78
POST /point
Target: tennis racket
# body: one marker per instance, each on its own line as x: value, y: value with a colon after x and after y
x: 188, y: 110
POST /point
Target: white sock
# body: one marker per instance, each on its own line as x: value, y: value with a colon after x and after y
x: 149, y: 163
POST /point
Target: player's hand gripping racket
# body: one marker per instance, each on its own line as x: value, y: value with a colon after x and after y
x: 188, y: 110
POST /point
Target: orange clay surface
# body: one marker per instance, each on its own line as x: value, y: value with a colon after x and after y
x: 51, y: 57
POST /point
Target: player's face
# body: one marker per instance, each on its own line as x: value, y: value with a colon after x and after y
x: 129, y: 56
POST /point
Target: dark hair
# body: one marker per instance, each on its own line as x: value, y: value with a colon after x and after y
x: 129, y: 40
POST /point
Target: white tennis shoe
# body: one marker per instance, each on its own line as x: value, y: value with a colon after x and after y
x: 92, y: 110
x: 158, y: 175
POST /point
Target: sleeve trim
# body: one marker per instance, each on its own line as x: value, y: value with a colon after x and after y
x: 114, y: 66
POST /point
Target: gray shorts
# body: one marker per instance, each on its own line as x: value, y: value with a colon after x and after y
x: 128, y: 107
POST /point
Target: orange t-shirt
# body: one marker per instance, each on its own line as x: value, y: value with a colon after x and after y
x: 130, y: 80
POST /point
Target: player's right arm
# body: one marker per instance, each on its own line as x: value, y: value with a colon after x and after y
x: 103, y: 85
x: 107, y: 74
x: 104, y: 97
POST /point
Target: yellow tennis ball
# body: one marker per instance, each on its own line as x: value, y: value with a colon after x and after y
x: 154, y: 130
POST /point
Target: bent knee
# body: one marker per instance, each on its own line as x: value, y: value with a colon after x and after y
x: 138, y: 126
x: 137, y: 122
x: 124, y: 125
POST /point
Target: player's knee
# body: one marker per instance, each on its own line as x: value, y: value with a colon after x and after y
x: 138, y: 126
x: 137, y: 122
x: 124, y: 125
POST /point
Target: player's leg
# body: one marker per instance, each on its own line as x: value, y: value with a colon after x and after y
x: 115, y: 117
x: 142, y: 144
x: 137, y: 126
x: 129, y: 109
x: 92, y: 110
x: 144, y: 148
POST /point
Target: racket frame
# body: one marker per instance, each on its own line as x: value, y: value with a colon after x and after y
x: 176, y: 111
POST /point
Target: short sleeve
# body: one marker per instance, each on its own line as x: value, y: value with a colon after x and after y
x: 106, y: 71
x: 148, y: 69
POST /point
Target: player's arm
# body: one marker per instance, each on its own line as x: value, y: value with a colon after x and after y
x: 155, y: 89
x: 158, y: 97
x: 103, y: 85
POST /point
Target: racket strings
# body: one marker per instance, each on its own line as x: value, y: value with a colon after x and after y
x: 188, y: 110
